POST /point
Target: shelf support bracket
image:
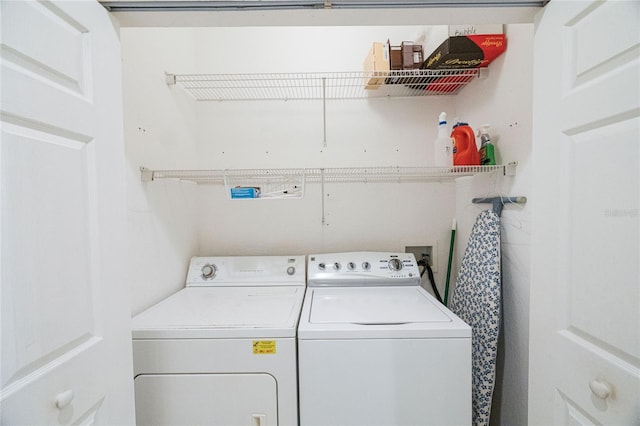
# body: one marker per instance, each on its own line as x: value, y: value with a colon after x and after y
x: 146, y: 174
x: 170, y: 79
x: 510, y: 169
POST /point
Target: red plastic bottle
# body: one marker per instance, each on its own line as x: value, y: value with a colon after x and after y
x: 465, y: 150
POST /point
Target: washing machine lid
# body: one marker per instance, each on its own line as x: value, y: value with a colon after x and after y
x: 377, y: 312
x: 224, y: 312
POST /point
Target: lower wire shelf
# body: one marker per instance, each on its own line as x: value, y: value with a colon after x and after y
x: 290, y: 183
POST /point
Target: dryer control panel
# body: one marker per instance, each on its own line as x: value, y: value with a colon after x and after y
x: 362, y: 269
x: 219, y: 271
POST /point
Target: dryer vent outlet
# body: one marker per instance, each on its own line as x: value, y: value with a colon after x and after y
x: 423, y: 252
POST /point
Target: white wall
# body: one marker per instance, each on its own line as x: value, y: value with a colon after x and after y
x: 165, y: 129
x: 505, y: 101
x: 382, y: 132
x: 160, y: 132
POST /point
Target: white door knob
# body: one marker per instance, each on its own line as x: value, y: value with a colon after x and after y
x: 600, y: 388
x: 64, y: 398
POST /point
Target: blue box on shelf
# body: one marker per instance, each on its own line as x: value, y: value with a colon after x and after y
x: 245, y: 192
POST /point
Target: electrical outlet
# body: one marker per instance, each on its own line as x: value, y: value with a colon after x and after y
x: 425, y: 251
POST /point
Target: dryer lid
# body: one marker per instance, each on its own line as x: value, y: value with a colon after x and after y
x: 208, y: 312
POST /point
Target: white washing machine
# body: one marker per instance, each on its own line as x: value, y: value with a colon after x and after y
x: 222, y: 351
x: 374, y: 348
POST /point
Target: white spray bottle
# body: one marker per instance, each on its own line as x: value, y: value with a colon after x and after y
x: 443, y: 156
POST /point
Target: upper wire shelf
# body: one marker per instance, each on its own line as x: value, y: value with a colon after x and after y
x: 324, y: 86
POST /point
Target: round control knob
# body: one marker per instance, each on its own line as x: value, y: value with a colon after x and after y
x: 366, y: 266
x: 208, y: 271
x: 351, y: 266
x: 322, y: 266
x: 395, y: 264
x: 337, y: 266
x: 291, y: 270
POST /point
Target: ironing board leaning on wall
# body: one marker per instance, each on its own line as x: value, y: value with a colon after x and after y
x: 477, y: 301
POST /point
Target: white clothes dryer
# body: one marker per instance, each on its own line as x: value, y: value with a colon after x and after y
x: 222, y: 351
x: 374, y: 348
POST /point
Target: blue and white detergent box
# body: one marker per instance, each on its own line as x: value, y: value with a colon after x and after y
x: 245, y: 192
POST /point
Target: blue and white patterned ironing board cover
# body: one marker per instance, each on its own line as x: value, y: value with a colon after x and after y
x: 476, y: 300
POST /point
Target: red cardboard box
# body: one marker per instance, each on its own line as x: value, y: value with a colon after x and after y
x: 450, y: 83
x: 472, y: 51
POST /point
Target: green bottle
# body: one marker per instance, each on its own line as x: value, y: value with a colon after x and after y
x: 487, y: 150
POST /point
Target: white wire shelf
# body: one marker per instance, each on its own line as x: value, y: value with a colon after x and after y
x: 253, y: 177
x: 324, y: 86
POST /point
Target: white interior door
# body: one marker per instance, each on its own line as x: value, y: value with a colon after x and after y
x: 66, y: 351
x: 585, y: 328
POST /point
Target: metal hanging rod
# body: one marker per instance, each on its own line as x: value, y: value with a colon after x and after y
x: 262, y: 5
x: 499, y: 202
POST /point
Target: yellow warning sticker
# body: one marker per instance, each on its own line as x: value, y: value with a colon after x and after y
x: 263, y: 347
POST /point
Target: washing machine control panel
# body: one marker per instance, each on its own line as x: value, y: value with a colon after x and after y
x: 362, y: 269
x: 246, y: 271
